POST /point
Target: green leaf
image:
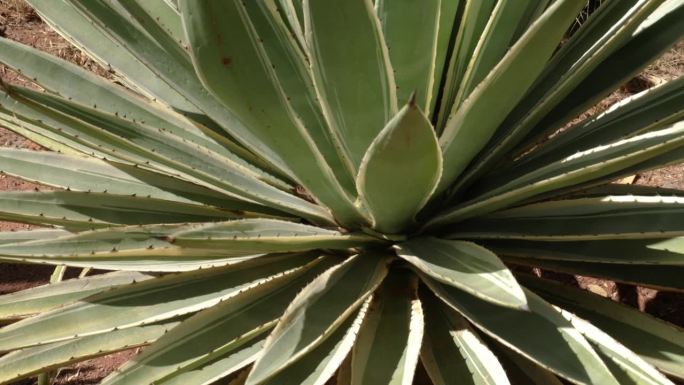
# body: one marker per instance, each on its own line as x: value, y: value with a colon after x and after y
x: 356, y: 88
x: 604, y: 217
x: 265, y: 235
x: 221, y: 331
x: 47, y: 297
x: 604, y: 33
x: 521, y: 370
x: 651, y: 109
x: 468, y: 29
x: 476, y: 121
x: 587, y: 166
x: 221, y: 367
x: 150, y: 301
x: 655, y: 276
x: 621, y: 251
x: 649, y: 41
x: 452, y: 352
x: 134, y: 248
x: 82, y: 210
x: 448, y: 12
x: 292, y: 70
x: 76, y: 28
x: 317, y: 367
x: 466, y: 266
x: 400, y: 170
x: 627, y: 367
x: 411, y: 50
x: 234, y: 66
x: 27, y: 362
x: 318, y: 311
x: 665, y: 347
x: 30, y: 235
x: 83, y: 173
x: 531, y: 332
x: 389, y: 341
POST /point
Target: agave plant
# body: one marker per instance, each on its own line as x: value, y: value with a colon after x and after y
x: 304, y: 191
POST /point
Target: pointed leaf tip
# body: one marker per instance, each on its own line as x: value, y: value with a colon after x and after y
x: 400, y: 170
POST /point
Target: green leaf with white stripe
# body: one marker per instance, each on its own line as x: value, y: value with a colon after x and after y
x: 530, y: 332
x: 629, y: 326
x: 466, y: 266
x: 76, y: 28
x: 318, y: 311
x: 155, y: 300
x: 234, y: 66
x: 646, y: 111
x: 405, y: 157
x: 82, y: 210
x: 622, y: 251
x: 265, y: 235
x: 219, y: 331
x: 47, y: 297
x: 477, y: 119
x: 452, y: 352
x: 83, y: 173
x: 388, y: 345
x: 31, y: 361
x: 411, y: 50
x: 573, y: 170
x: 317, y: 367
x: 606, y: 217
x: 627, y: 367
x: 661, y: 277
x: 604, y: 33
x: 468, y: 30
x: 221, y: 367
x: 349, y: 84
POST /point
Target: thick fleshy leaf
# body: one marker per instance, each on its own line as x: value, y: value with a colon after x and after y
x: 587, y: 166
x: 523, y: 371
x: 221, y: 367
x: 530, y: 332
x: 318, y: 311
x: 400, y: 170
x: 660, y: 277
x: 626, y: 366
x: 606, y: 217
x: 135, y: 248
x: 357, y: 91
x: 155, y: 300
x: 604, y: 33
x: 652, y: 37
x: 265, y: 235
x: 622, y: 251
x: 218, y: 332
x: 63, y: 17
x: 411, y: 50
x: 82, y: 173
x: 466, y: 266
x: 448, y: 13
x: 648, y: 110
x: 292, y: 69
x: 233, y: 65
x: 389, y: 341
x: 47, y: 297
x: 468, y: 30
x: 31, y: 235
x: 665, y: 347
x: 83, y: 210
x: 27, y: 362
x: 477, y: 119
x: 452, y: 352
x: 317, y: 367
